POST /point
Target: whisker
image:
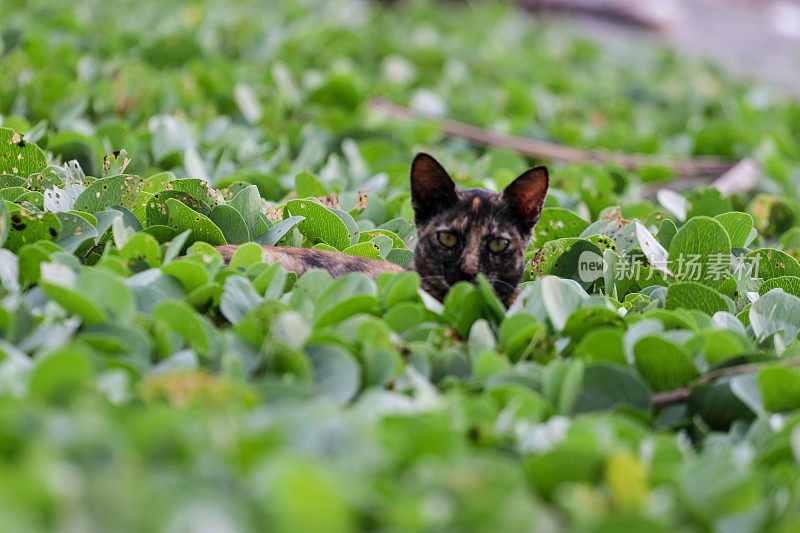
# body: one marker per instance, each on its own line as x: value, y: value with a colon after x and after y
x: 500, y: 281
x: 431, y: 277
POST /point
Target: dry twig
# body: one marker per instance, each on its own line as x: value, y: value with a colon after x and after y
x: 680, y: 395
x: 708, y: 167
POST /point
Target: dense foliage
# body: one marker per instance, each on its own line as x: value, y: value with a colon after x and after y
x: 146, y: 386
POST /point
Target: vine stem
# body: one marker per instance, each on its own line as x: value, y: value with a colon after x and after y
x: 674, y: 396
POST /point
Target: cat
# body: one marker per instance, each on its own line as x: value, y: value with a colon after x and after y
x: 460, y: 234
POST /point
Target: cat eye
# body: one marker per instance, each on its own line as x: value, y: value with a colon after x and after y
x: 447, y: 239
x: 498, y: 245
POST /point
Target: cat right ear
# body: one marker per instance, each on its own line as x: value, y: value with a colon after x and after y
x: 525, y: 196
x: 432, y: 188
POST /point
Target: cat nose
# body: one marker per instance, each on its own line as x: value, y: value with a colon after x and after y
x: 470, y: 266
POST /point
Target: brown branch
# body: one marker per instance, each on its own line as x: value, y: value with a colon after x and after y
x: 631, y: 13
x: 674, y: 396
x: 691, y: 168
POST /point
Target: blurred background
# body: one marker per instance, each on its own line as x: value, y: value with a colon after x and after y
x: 755, y: 38
x: 213, y: 89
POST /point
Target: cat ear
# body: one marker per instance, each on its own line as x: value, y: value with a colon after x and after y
x: 432, y: 188
x: 525, y: 196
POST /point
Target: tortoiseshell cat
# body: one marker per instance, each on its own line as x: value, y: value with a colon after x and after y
x: 461, y: 233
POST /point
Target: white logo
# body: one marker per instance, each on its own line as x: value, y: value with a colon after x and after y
x: 590, y: 266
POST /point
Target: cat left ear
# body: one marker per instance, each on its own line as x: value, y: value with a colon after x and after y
x: 525, y: 196
x: 432, y: 188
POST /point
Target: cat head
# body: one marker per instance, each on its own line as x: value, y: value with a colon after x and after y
x: 463, y: 233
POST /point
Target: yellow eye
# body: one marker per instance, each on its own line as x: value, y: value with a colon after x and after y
x: 498, y: 245
x: 447, y: 238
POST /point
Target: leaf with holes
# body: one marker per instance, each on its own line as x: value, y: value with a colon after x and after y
x: 771, y: 263
x: 75, y: 229
x: 203, y: 229
x: 557, y: 223
x: 106, y: 192
x: 27, y: 227
x: 17, y: 157
x: 156, y: 210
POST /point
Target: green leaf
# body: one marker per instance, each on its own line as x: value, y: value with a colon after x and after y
x: 789, y: 284
x: 400, y: 257
x: 602, y: 344
x: 462, y: 307
x: 518, y: 334
x: 277, y: 232
x: 365, y: 249
x: 567, y: 258
x: 106, y: 192
x: 346, y: 296
x: 664, y: 364
x: 775, y: 312
x: 587, y: 319
x: 771, y: 263
x: 666, y: 232
x: 109, y: 291
x: 157, y: 182
x: 33, y: 197
x: 607, y: 386
x: 306, y: 185
x: 175, y: 246
x: 156, y: 210
x: 780, y: 388
x: 563, y: 465
x: 12, y: 193
x: 691, y: 295
x: 622, y: 232
x: 5, y: 223
x: 246, y: 255
x: 707, y: 202
x: 197, y: 188
x: 142, y: 247
x: 271, y: 282
x: 307, y: 498
x: 58, y: 283
x: 191, y: 274
x: 320, y: 224
x: 738, y: 225
x: 27, y: 227
x: 17, y: 157
x: 336, y: 373
x: 238, y: 298
x: 339, y: 90
x: 61, y: 374
x: 183, y: 218
x: 75, y: 229
x: 560, y: 298
x: 230, y: 221
x: 557, y: 223
x: 368, y: 235
x: 183, y: 320
x: 31, y: 256
x: 700, y: 252
x: 248, y: 203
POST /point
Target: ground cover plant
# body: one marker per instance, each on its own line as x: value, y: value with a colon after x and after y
x: 645, y: 379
